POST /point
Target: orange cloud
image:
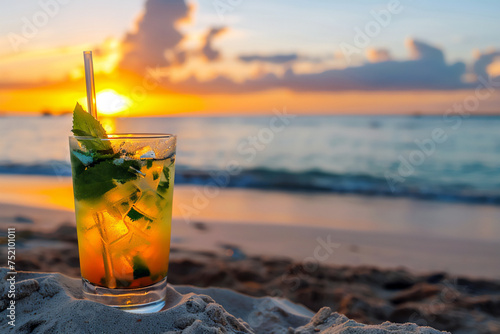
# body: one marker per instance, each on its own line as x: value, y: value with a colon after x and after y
x: 378, y: 55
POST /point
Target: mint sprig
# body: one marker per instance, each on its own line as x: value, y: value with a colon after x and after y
x: 97, y: 168
x: 101, y: 176
x: 85, y: 125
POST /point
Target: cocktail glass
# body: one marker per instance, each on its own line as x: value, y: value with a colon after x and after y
x: 123, y: 188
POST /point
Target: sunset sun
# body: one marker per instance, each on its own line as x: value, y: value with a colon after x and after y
x: 109, y: 102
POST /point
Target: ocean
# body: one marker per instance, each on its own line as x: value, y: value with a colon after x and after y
x: 429, y: 157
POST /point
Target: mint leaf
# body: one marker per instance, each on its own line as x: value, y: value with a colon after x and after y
x: 135, y: 215
x: 85, y: 125
x: 149, y: 164
x: 97, y: 168
x: 164, y: 183
x: 76, y: 163
x: 94, y: 181
x: 140, y: 267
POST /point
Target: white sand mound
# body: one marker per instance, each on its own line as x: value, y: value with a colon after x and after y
x: 52, y: 303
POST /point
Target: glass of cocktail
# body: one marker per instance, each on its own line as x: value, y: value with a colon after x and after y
x: 123, y: 187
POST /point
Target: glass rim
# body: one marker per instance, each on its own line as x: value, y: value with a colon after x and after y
x: 134, y: 136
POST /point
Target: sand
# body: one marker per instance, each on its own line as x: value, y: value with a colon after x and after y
x: 366, y: 294
x: 419, y: 253
x: 51, y: 303
x: 396, y: 262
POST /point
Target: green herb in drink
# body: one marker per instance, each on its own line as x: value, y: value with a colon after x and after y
x: 164, y: 184
x: 140, y: 268
x: 99, y: 169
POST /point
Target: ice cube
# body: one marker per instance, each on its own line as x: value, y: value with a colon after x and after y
x: 112, y: 229
x: 123, y: 268
x: 121, y: 207
x: 84, y: 159
x: 91, y: 239
x: 122, y: 191
x: 147, y: 204
x: 86, y: 224
x: 144, y: 151
x: 138, y: 229
x: 152, y: 178
x: 136, y: 221
x: 135, y: 241
x: 148, y: 155
x: 85, y: 220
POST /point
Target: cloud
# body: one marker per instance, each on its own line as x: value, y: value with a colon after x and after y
x: 426, y: 69
x: 483, y: 61
x: 274, y: 59
x: 423, y: 51
x: 156, y: 44
x: 378, y: 55
x: 155, y: 34
x: 285, y: 58
x: 207, y: 49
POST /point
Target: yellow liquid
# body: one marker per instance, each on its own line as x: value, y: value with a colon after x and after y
x: 124, y: 235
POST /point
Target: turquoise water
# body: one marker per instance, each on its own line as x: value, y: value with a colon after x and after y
x: 425, y: 157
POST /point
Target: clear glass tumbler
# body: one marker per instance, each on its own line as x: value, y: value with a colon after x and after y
x: 123, y: 188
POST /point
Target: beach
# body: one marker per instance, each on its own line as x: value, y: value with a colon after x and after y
x: 284, y: 167
x: 370, y: 272
x: 363, y: 293
x: 422, y: 236
x: 318, y: 225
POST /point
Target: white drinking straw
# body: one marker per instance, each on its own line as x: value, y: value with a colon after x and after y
x: 89, y: 78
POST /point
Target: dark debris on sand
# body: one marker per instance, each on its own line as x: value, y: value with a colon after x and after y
x: 365, y: 294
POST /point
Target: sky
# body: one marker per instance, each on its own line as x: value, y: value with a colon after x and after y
x: 163, y: 57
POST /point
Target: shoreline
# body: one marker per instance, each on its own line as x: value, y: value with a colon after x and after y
x: 328, y: 246
x: 401, y: 216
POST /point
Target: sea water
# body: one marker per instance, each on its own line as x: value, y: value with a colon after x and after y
x: 398, y: 156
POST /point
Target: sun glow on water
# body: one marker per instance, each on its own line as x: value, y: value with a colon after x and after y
x: 109, y: 124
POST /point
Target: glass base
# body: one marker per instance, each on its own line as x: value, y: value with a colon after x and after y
x: 148, y: 299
